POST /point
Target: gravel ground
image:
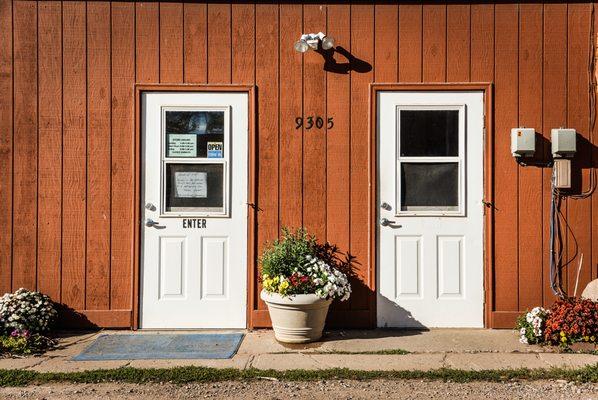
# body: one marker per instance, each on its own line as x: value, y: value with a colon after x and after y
x: 267, y: 389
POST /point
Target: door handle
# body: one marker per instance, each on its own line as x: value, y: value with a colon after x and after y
x: 151, y: 223
x: 387, y: 222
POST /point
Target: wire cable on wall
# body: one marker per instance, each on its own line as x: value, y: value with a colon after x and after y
x: 557, y: 219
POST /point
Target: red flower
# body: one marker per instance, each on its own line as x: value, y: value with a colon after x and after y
x: 575, y: 318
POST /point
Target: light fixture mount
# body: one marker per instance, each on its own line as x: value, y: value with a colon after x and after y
x: 312, y: 41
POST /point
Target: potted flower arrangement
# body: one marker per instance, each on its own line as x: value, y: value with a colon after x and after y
x: 300, y: 278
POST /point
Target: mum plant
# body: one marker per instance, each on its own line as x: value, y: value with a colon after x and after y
x: 297, y: 264
x: 25, y: 310
x: 25, y: 317
x: 571, y: 321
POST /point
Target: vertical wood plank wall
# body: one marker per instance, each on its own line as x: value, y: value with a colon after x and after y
x: 67, y: 72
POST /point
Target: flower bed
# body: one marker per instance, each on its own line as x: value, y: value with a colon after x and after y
x: 567, y: 322
x: 25, y: 319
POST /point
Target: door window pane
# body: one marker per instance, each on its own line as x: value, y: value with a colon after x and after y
x: 194, y: 134
x: 429, y: 186
x: 195, y: 188
x: 429, y: 133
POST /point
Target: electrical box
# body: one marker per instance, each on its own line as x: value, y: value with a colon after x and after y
x: 563, y: 142
x: 561, y: 171
x: 523, y: 142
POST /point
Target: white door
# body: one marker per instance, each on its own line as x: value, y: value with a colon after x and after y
x: 430, y: 216
x: 194, y: 240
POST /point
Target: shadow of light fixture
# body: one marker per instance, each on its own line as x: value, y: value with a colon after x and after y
x: 314, y: 41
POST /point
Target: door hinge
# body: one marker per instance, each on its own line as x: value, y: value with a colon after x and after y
x: 488, y: 204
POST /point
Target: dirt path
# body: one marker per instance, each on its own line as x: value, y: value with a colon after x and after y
x: 266, y: 389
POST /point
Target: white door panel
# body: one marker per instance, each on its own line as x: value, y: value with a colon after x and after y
x: 430, y: 192
x: 194, y: 185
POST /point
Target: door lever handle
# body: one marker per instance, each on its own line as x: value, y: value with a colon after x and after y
x: 150, y: 222
x: 388, y: 222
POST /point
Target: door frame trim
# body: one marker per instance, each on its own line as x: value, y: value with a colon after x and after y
x: 139, y: 89
x: 488, y: 229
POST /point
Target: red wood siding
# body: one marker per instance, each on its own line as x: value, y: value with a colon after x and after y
x: 67, y: 139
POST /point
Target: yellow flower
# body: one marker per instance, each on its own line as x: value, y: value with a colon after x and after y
x: 282, y: 288
x: 270, y: 284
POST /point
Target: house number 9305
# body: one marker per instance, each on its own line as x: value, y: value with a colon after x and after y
x: 311, y: 121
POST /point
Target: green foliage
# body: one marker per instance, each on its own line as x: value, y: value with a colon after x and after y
x: 182, y: 375
x: 23, y: 344
x: 14, y: 345
x: 282, y: 256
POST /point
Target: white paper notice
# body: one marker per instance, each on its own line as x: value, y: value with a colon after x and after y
x: 181, y: 145
x: 191, y: 184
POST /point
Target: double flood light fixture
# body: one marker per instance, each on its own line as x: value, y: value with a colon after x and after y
x: 312, y: 41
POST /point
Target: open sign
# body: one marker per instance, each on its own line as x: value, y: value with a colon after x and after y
x: 215, y: 150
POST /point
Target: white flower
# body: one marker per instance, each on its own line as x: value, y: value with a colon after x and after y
x: 529, y: 317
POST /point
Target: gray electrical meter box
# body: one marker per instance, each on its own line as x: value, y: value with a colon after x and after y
x: 523, y: 142
x: 563, y: 142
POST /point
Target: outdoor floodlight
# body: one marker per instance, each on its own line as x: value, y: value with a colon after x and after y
x: 327, y: 42
x: 312, y: 41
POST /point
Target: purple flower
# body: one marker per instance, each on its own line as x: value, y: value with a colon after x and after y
x: 21, y: 333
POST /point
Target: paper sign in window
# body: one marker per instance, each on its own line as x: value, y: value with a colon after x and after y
x: 182, y: 145
x: 191, y: 184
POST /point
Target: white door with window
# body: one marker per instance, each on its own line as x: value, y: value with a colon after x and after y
x: 430, y: 215
x: 194, y: 194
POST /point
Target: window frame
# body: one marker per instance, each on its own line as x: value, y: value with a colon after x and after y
x: 224, y: 161
x: 459, y: 160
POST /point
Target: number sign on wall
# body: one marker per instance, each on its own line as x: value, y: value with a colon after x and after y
x: 313, y: 122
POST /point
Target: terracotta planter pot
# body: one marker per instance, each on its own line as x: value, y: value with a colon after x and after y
x: 296, y: 319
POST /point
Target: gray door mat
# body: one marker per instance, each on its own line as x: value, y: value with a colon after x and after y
x: 162, y: 346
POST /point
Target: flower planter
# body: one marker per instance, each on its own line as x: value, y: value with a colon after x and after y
x: 297, y: 318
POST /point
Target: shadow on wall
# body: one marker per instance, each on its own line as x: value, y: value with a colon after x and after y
x: 400, y: 314
x: 586, y: 157
x: 350, y: 62
x: 347, y: 263
x: 69, y: 318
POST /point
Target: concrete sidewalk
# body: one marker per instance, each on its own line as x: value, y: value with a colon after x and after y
x: 467, y: 349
